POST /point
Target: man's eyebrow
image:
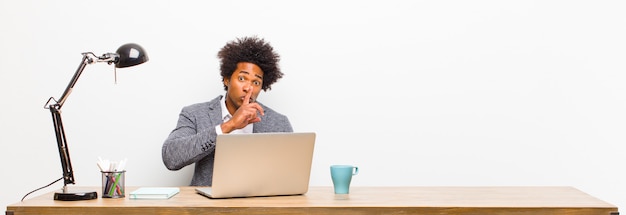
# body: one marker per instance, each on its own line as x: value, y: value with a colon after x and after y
x: 258, y: 76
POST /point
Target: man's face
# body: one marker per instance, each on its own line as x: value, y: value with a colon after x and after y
x: 247, y: 77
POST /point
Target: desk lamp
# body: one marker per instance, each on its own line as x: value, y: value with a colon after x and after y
x: 126, y: 55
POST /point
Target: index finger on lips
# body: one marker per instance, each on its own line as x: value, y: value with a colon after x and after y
x: 246, y: 99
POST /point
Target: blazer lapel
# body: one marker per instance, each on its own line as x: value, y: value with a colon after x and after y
x: 215, y: 111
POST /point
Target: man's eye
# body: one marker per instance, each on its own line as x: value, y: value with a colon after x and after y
x: 240, y: 78
x: 257, y: 83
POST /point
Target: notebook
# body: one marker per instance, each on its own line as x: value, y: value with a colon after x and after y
x: 261, y: 164
x: 154, y: 193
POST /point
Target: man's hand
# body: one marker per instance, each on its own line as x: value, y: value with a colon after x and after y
x: 245, y: 114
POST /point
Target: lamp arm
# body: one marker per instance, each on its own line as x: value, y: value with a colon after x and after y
x: 68, y: 90
x: 64, y: 153
x: 55, y: 110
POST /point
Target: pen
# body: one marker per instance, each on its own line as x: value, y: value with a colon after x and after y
x: 112, y: 188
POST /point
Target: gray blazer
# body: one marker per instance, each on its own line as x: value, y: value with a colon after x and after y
x: 193, y: 139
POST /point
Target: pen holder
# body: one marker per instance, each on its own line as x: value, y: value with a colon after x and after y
x: 113, y: 184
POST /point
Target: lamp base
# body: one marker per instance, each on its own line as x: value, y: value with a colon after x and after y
x: 75, y: 196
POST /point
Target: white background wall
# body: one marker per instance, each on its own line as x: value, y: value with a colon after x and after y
x: 416, y: 93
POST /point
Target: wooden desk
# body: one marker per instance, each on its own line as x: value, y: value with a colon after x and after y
x: 362, y: 200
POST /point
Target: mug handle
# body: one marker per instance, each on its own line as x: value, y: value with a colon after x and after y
x: 356, y: 170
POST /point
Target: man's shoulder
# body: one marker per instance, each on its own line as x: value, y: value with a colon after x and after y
x: 203, y: 106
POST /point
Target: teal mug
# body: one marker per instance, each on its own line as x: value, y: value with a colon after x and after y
x: 342, y: 176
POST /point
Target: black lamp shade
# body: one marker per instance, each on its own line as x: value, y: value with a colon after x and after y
x: 131, y: 54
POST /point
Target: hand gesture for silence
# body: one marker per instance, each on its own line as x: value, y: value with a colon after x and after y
x: 245, y: 114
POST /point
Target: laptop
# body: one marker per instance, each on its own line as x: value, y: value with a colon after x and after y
x: 261, y: 164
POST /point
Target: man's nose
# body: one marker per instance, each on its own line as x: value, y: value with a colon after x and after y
x: 247, y: 86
